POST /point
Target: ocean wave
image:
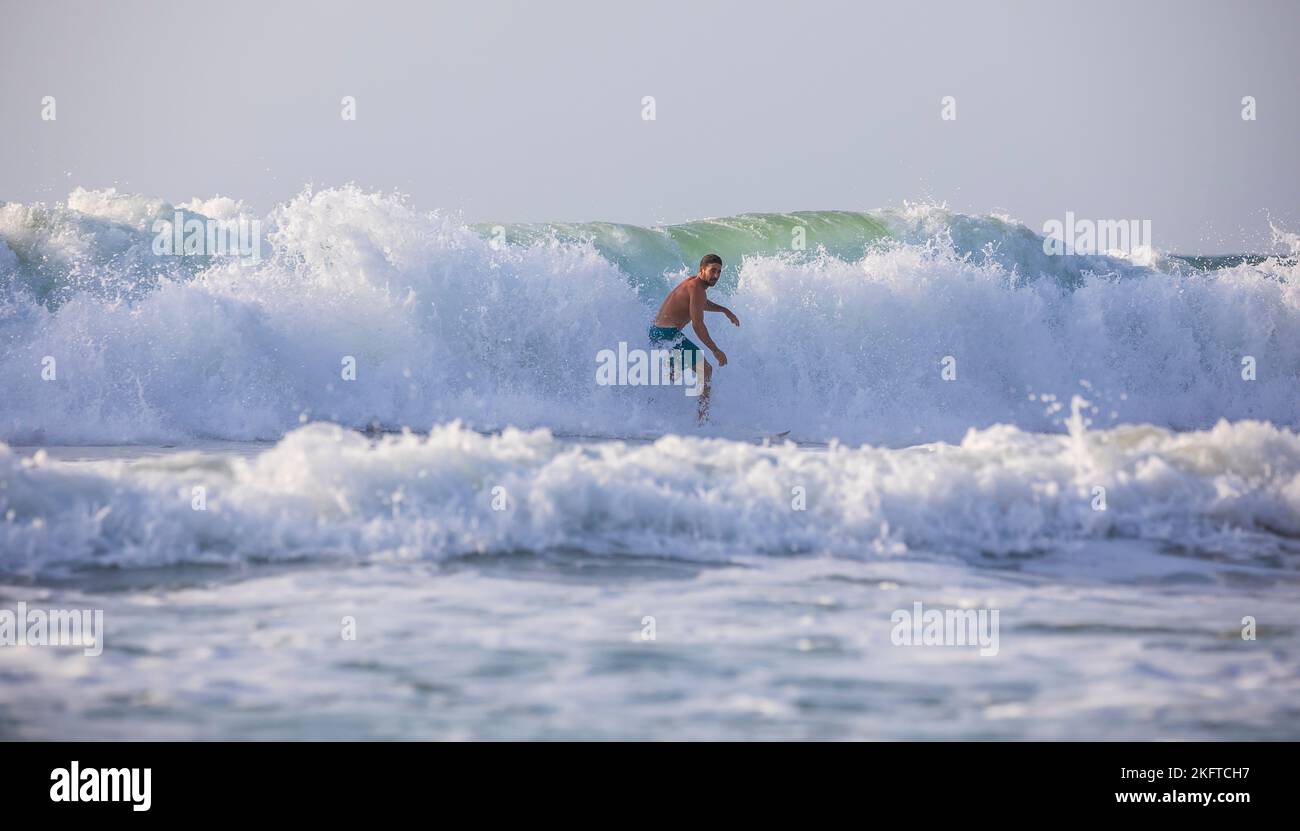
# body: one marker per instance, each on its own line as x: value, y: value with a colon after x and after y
x: 501, y: 325
x: 327, y: 492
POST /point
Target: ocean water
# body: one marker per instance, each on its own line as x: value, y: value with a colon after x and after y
x: 522, y: 553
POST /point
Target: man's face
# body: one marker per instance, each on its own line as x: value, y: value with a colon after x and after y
x: 710, y: 274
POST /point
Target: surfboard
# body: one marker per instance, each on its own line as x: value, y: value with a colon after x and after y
x: 376, y: 430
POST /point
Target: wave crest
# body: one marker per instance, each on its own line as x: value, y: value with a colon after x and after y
x: 846, y: 339
x: 328, y: 492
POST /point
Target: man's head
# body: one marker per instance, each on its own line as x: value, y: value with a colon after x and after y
x: 710, y: 269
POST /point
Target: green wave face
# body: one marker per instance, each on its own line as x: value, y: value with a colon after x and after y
x: 657, y: 256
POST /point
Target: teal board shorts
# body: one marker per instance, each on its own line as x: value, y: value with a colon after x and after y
x: 670, y: 338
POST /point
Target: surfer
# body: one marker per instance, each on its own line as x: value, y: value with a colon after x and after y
x: 687, y: 302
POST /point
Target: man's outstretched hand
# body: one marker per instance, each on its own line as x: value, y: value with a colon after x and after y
x: 721, y: 356
x: 732, y: 317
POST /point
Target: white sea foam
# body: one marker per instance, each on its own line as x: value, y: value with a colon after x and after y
x: 324, y: 491
x: 844, y: 341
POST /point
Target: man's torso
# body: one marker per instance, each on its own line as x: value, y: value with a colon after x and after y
x: 676, y: 309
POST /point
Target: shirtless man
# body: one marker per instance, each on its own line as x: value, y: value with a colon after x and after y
x: 687, y: 302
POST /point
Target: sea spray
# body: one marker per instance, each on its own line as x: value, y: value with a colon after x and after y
x: 844, y: 339
x: 327, y: 493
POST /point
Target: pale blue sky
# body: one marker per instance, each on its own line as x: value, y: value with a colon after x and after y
x: 532, y: 111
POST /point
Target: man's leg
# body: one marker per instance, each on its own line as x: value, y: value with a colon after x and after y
x: 706, y: 376
x: 669, y: 348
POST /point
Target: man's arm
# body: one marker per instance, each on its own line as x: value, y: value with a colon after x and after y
x: 698, y: 302
x: 710, y: 306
